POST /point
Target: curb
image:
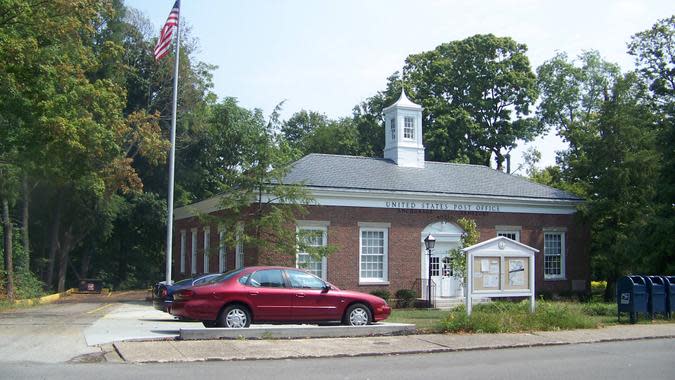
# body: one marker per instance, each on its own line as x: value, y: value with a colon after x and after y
x: 440, y: 349
x: 44, y: 299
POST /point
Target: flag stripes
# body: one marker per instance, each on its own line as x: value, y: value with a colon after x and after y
x: 164, y: 42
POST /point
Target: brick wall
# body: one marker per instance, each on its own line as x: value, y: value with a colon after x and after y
x: 405, y: 247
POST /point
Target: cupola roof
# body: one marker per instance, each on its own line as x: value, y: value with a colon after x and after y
x: 404, y: 102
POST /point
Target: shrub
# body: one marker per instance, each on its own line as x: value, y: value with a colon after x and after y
x: 405, y: 298
x: 384, y: 294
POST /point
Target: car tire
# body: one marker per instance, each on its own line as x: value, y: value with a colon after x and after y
x: 235, y: 316
x: 209, y: 323
x: 357, y: 314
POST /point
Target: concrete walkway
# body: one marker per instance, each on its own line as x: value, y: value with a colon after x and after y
x: 188, y: 351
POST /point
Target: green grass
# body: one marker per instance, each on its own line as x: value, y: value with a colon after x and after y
x: 425, y: 320
x: 508, y: 317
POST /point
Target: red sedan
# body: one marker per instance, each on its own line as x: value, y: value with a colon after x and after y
x: 275, y: 295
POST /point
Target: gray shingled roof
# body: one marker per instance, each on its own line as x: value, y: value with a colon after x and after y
x: 350, y: 172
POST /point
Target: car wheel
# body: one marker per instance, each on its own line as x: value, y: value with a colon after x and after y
x: 235, y: 316
x: 357, y: 315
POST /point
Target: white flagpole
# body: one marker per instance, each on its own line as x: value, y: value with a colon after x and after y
x: 172, y: 154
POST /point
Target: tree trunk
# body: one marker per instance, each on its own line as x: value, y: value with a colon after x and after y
x: 610, y: 291
x: 54, y: 244
x: 7, y: 245
x: 24, y: 222
x: 86, y: 259
x: 63, y: 260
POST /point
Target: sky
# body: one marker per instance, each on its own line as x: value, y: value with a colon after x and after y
x: 329, y: 56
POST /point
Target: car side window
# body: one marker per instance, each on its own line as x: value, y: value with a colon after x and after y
x: 304, y: 280
x: 203, y: 280
x: 267, y: 278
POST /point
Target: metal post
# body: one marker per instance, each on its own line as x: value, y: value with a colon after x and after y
x: 172, y: 153
x: 429, y: 279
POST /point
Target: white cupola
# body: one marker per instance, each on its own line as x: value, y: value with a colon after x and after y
x: 403, y: 133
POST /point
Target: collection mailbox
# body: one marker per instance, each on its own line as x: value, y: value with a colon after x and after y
x: 631, y: 296
x: 656, y: 291
x: 669, y: 283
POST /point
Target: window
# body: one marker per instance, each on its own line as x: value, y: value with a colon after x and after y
x: 434, y: 266
x: 239, y: 249
x: 373, y: 255
x: 392, y: 127
x: 409, y: 128
x: 312, y: 237
x: 302, y: 280
x: 554, y: 255
x: 511, y: 232
x: 221, y: 249
x: 513, y: 235
x: 182, y: 251
x: 207, y: 248
x: 193, y: 249
x: 268, y: 278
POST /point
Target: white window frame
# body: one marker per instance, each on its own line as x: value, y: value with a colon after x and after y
x: 222, y: 249
x: 207, y: 248
x: 563, y: 235
x: 515, y: 230
x: 182, y: 250
x: 409, y: 130
x: 193, y: 248
x: 324, y: 242
x: 239, y: 249
x: 375, y: 227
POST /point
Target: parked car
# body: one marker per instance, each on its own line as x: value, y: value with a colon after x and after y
x: 275, y: 295
x: 162, y: 298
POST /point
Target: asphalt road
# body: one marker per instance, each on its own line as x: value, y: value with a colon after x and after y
x: 645, y: 359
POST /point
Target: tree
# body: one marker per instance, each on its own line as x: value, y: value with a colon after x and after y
x: 654, y: 52
x: 334, y: 137
x: 469, y: 238
x: 477, y: 94
x: 258, y: 207
x: 301, y: 124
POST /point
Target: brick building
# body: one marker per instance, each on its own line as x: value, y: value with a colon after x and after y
x: 377, y: 212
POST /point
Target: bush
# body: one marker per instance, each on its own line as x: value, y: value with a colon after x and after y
x: 384, y: 294
x: 405, y: 298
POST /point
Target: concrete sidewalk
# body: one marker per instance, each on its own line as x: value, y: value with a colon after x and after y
x: 185, y: 351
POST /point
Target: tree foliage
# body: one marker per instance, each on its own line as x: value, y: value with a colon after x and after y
x: 477, y: 95
x: 469, y: 238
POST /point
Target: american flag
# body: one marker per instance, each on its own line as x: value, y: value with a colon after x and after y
x: 164, y: 43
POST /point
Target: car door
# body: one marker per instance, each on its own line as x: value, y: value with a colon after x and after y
x: 311, y: 300
x: 268, y: 295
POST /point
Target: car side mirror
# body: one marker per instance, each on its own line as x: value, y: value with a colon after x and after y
x: 325, y: 288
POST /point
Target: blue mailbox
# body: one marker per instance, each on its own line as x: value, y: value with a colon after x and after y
x: 656, y: 291
x: 631, y: 296
x: 669, y: 282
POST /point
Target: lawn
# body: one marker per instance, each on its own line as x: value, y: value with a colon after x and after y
x: 506, y: 317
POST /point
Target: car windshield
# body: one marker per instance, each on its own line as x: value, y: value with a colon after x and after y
x: 225, y: 276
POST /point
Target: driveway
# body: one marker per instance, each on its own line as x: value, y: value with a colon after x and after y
x: 77, y: 325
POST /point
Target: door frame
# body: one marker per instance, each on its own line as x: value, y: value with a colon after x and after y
x: 444, y: 232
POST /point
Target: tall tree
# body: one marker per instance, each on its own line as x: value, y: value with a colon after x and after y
x: 477, y: 95
x: 259, y: 208
x: 300, y: 124
x: 654, y: 52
